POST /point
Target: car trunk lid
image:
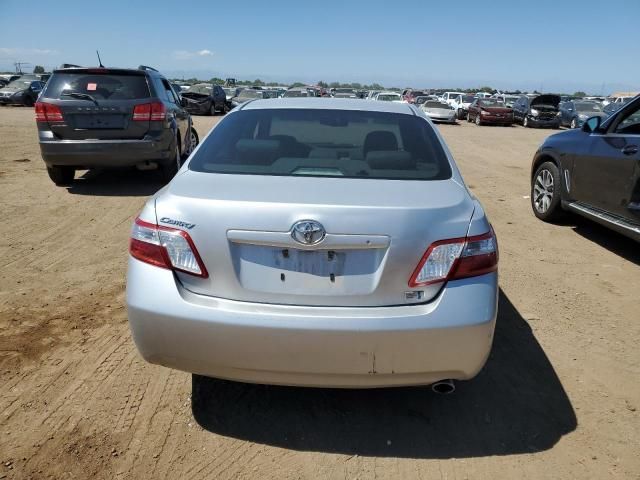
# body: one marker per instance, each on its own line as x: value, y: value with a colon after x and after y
x: 376, y: 233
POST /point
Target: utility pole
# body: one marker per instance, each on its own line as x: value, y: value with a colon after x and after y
x: 19, y: 66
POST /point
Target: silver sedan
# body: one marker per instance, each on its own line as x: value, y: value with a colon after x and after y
x: 316, y: 242
x: 439, y: 111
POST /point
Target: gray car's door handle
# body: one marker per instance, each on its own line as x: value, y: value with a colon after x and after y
x: 630, y: 150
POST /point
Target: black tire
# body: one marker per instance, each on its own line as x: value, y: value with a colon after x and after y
x: 574, y: 124
x: 525, y: 122
x: 469, y: 117
x: 61, y: 176
x: 478, y: 119
x: 28, y: 102
x: 169, y: 169
x: 545, y: 192
x: 212, y: 109
x: 193, y: 142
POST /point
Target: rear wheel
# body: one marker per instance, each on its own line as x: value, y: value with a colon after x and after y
x: 170, y: 169
x: 478, y: 120
x: 193, y: 142
x: 61, y: 176
x: 545, y: 192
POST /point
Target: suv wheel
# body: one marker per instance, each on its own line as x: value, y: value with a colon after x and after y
x: 545, y: 192
x: 170, y: 169
x: 193, y: 142
x: 61, y: 175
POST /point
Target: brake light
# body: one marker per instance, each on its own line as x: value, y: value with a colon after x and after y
x: 155, y: 111
x: 47, y: 112
x: 165, y: 247
x: 457, y: 258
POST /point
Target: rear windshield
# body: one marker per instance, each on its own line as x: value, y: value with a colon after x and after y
x: 99, y: 86
x: 333, y: 143
x: 295, y: 93
x: 436, y: 104
x: 588, y: 107
x: 389, y: 97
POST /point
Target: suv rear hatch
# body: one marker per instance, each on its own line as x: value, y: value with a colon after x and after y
x: 98, y: 103
x: 377, y: 232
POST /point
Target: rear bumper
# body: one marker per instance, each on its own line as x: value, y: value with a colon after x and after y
x: 107, y: 153
x: 450, y: 337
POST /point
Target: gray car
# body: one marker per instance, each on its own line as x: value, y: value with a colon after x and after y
x: 107, y: 117
x: 316, y: 242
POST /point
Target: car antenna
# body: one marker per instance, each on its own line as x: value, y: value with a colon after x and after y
x: 99, y: 61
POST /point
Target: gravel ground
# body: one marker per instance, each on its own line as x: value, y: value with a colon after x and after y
x: 558, y: 398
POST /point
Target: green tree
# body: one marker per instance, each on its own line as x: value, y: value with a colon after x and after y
x: 38, y: 69
x: 323, y: 84
x: 579, y: 94
x: 297, y: 84
x: 216, y: 81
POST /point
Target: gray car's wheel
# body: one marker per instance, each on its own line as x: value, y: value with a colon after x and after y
x: 61, y: 175
x: 545, y: 192
x: 192, y: 142
x: 478, y: 120
x: 169, y: 169
x: 525, y: 122
x: 574, y: 124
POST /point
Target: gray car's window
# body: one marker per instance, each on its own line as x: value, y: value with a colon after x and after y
x: 335, y: 143
x: 99, y: 86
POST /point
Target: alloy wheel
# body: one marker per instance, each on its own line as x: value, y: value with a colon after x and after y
x: 543, y: 191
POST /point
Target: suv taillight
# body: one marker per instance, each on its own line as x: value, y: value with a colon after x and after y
x: 155, y: 111
x: 165, y: 247
x: 457, y: 258
x: 47, y: 112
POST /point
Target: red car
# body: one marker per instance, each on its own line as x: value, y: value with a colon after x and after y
x: 489, y: 111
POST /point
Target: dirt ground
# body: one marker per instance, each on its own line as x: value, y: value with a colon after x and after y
x: 559, y: 397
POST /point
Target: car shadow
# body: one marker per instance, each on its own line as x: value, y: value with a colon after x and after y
x: 515, y: 405
x: 613, y: 241
x: 127, y: 182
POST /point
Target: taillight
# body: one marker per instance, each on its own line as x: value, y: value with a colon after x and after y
x: 457, y: 258
x: 165, y: 247
x: 155, y: 112
x: 46, y: 112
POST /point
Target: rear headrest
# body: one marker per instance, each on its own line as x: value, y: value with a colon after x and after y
x: 257, y: 152
x: 379, y: 140
x: 390, y: 160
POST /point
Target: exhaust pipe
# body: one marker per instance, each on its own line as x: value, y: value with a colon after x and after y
x: 443, y: 387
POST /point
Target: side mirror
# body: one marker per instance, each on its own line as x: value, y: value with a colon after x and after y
x: 592, y: 124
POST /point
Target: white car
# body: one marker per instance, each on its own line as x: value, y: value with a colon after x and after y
x: 449, y: 97
x: 389, y: 97
x: 439, y: 111
x: 461, y: 105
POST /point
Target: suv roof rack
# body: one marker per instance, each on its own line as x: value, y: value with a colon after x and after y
x: 145, y: 67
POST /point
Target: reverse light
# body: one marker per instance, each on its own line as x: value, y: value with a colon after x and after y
x: 165, y: 247
x: 456, y: 258
x: 47, y: 112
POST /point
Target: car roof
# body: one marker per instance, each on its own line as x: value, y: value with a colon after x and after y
x: 323, y: 103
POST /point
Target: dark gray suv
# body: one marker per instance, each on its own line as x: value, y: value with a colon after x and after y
x: 106, y: 117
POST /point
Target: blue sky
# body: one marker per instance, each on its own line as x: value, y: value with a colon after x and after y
x: 556, y: 45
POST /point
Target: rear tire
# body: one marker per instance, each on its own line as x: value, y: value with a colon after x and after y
x: 169, y: 170
x: 61, y: 176
x: 545, y: 192
x: 193, y: 142
x: 478, y: 120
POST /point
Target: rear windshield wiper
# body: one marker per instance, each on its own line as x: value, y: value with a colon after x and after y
x: 84, y: 96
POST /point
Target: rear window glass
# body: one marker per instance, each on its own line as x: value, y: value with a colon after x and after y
x: 334, y: 143
x: 99, y: 86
